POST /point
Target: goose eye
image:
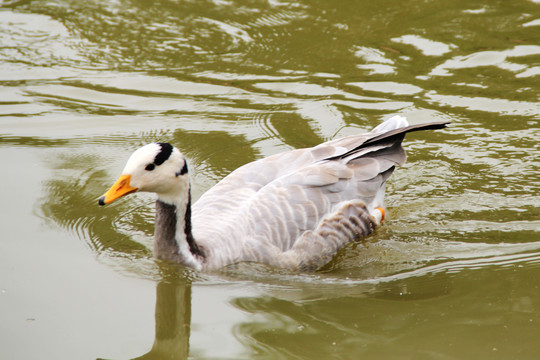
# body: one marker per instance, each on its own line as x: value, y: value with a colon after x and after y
x: 150, y: 167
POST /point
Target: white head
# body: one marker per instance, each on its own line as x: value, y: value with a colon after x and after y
x: 159, y: 168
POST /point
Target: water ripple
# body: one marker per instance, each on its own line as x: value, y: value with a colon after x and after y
x: 499, y: 106
x: 101, y: 78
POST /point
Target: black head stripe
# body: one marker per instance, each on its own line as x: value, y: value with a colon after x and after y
x: 184, y: 169
x: 164, y: 153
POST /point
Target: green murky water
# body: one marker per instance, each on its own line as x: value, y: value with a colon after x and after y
x: 453, y: 274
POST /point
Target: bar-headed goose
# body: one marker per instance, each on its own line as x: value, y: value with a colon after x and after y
x: 293, y: 210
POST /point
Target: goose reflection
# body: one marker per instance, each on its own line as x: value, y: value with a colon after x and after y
x: 173, y: 319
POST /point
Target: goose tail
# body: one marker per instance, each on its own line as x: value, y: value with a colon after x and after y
x: 391, y: 132
x: 395, y: 122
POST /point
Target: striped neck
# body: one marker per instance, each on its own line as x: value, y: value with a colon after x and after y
x: 173, y: 239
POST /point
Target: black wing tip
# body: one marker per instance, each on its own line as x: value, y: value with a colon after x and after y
x: 394, y: 135
x: 406, y: 129
x: 428, y: 126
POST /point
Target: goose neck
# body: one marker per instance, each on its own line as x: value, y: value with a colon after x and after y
x: 173, y: 236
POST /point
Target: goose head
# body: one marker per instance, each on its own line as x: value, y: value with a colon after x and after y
x: 159, y: 168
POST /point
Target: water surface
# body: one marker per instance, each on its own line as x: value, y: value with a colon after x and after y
x: 453, y: 273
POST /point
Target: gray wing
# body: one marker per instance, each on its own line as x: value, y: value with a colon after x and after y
x: 299, y: 204
x: 243, y: 184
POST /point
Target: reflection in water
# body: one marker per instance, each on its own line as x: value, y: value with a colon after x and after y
x: 311, y: 316
x: 172, y: 315
x: 173, y: 319
x: 417, y: 317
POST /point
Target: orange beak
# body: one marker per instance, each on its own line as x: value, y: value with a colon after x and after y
x: 120, y: 188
